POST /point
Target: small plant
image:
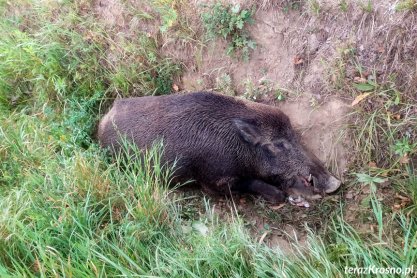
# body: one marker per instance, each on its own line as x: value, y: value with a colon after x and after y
x: 256, y: 91
x: 369, y: 180
x: 367, y: 7
x: 406, y: 5
x: 343, y: 5
x: 292, y: 6
x: 404, y: 147
x: 167, y: 13
x: 314, y: 6
x: 228, y: 22
x: 251, y: 91
x: 279, y: 95
x: 225, y: 85
x: 376, y: 206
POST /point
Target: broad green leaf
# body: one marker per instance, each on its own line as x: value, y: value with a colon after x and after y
x: 364, y: 87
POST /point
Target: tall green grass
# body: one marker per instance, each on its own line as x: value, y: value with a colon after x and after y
x: 85, y: 215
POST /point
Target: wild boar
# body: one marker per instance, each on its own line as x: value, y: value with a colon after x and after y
x: 223, y: 143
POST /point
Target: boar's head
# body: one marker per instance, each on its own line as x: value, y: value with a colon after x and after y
x: 278, y: 157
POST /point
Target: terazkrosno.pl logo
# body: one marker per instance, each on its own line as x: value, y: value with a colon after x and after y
x: 379, y: 270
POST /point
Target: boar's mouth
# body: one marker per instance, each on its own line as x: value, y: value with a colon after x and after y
x: 310, y: 182
x: 306, y: 187
x: 309, y: 187
x: 331, y: 184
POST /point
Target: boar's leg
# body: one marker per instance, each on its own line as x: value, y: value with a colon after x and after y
x: 269, y: 192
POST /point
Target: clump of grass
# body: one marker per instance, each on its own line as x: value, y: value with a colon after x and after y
x: 229, y: 22
x: 382, y: 113
x: 368, y: 6
x: 61, y: 206
x: 314, y: 7
x: 383, y: 125
x: 51, y: 66
x: 143, y: 70
x: 66, y: 55
x: 406, y: 5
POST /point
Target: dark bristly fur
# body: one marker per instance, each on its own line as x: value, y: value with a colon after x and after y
x: 223, y: 143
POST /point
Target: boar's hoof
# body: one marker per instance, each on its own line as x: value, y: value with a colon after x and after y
x: 269, y: 192
x: 277, y: 197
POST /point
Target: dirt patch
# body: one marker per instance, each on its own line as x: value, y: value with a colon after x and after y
x: 323, y: 129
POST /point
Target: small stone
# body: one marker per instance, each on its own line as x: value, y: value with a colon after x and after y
x: 313, y: 43
x: 349, y: 195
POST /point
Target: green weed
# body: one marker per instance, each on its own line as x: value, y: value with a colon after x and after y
x: 343, y: 5
x: 167, y: 12
x: 368, y: 6
x: 280, y: 95
x: 229, y: 22
x: 314, y: 7
x: 224, y: 84
x: 404, y: 147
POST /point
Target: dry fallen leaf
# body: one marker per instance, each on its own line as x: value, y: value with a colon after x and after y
x: 403, y: 198
x: 403, y: 202
x: 396, y: 207
x: 358, y: 79
x: 263, y: 237
x: 404, y: 159
x: 359, y: 98
x: 349, y: 195
x: 397, y: 116
x: 298, y: 60
x: 278, y: 206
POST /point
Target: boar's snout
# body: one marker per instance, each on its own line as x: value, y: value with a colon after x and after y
x: 327, y: 183
x: 323, y: 180
x: 332, y: 185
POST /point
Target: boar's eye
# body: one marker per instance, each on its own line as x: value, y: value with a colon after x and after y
x: 276, y: 147
x: 270, y: 149
x: 282, y: 145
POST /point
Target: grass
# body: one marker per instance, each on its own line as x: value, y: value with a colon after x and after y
x: 406, y: 5
x: 68, y: 209
x: 367, y: 6
x: 314, y: 7
x: 383, y: 133
x: 343, y: 5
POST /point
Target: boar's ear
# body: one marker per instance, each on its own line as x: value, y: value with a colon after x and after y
x: 248, y: 130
